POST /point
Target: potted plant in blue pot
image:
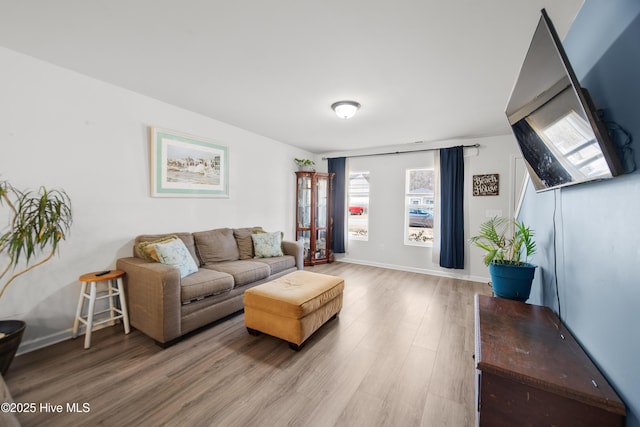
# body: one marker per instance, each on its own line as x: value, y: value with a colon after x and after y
x: 508, y: 245
x: 38, y: 222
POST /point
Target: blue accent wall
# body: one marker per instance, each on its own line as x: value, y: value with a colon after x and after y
x: 588, y: 235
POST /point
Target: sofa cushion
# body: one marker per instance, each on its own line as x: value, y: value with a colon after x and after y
x: 187, y: 238
x: 267, y: 245
x: 176, y: 254
x: 204, y: 283
x: 279, y: 263
x: 243, y: 272
x: 216, y: 246
x: 244, y: 241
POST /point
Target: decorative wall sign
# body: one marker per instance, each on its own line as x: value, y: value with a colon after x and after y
x: 486, y: 185
x: 187, y: 166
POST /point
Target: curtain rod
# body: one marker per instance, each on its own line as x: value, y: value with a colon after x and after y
x: 399, y: 152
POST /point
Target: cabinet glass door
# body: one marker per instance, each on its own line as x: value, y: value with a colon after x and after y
x: 304, y: 202
x: 305, y: 237
x: 321, y: 244
x: 321, y: 208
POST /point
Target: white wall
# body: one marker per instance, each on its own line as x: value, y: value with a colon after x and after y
x: 65, y: 130
x: 386, y: 247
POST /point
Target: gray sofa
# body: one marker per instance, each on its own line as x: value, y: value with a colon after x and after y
x: 165, y: 306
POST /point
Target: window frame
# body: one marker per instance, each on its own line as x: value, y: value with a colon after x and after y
x: 350, y: 203
x: 418, y: 200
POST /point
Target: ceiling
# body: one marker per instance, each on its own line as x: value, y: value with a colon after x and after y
x: 423, y: 70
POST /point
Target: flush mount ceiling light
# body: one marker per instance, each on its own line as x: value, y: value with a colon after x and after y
x: 345, y: 109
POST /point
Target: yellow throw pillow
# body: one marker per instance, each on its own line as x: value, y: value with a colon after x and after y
x: 148, y: 251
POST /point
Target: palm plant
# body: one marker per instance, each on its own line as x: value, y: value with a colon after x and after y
x: 38, y: 221
x: 505, y: 241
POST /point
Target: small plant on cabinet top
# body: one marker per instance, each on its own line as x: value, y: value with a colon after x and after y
x: 305, y: 164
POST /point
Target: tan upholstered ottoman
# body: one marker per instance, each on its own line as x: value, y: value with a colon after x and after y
x: 293, y: 306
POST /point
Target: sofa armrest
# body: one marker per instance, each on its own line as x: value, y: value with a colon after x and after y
x: 153, y: 297
x: 295, y: 249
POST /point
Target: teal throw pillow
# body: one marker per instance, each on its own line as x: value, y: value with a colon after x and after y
x: 267, y: 245
x: 175, y: 253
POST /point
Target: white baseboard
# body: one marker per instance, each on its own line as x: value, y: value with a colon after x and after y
x: 438, y: 273
x: 38, y: 343
x: 42, y: 342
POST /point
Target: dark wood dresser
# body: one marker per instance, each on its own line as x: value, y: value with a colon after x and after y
x: 530, y: 371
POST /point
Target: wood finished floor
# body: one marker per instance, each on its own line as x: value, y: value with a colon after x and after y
x: 399, y: 354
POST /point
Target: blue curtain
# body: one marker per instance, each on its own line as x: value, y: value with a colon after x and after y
x: 338, y: 166
x: 451, y: 210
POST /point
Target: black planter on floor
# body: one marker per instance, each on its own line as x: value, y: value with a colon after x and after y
x: 9, y: 343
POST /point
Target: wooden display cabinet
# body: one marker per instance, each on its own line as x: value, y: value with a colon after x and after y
x: 313, y: 216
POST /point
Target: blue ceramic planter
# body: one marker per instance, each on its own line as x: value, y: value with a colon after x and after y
x: 512, y: 281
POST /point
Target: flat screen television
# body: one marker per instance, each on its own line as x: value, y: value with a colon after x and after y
x: 561, y: 136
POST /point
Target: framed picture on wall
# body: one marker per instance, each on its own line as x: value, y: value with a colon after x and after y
x: 187, y: 166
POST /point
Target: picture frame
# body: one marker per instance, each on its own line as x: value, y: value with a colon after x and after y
x: 183, y: 165
x: 486, y: 184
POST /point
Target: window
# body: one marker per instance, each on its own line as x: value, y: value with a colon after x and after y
x: 358, y: 208
x: 419, y: 204
x: 573, y: 138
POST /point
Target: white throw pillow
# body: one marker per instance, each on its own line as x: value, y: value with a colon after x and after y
x: 267, y: 245
x: 175, y: 253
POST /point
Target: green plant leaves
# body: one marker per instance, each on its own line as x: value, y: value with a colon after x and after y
x: 40, y: 220
x: 305, y: 162
x: 504, y: 240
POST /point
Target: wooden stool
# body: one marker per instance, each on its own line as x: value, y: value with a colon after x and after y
x: 114, y: 289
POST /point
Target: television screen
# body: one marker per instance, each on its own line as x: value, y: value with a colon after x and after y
x: 561, y: 137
